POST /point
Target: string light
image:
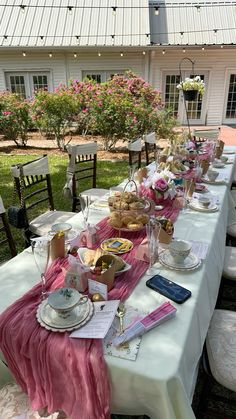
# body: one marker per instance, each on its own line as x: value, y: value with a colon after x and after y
x: 24, y: 54
x: 75, y: 55
x: 22, y: 8
x: 181, y: 34
x: 215, y: 31
x: 198, y: 8
x: 156, y: 11
x: 70, y: 9
x: 164, y: 51
x: 99, y: 54
x: 114, y: 10
x: 50, y: 55
x: 122, y: 54
x: 222, y: 46
x: 203, y: 49
x: 184, y: 50
x: 144, y: 52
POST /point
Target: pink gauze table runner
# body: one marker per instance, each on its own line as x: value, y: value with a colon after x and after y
x: 56, y: 371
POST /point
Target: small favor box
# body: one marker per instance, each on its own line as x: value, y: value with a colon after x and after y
x: 88, y: 238
x: 164, y: 237
x: 108, y: 276
x: 57, y: 248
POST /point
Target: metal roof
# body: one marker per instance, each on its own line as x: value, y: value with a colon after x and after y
x: 193, y: 23
x: 62, y: 23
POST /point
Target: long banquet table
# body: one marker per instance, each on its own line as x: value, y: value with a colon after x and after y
x: 160, y: 383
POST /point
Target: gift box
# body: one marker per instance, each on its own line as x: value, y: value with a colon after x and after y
x: 164, y: 237
x: 77, y: 275
x: 205, y: 166
x: 88, y: 238
x: 108, y: 276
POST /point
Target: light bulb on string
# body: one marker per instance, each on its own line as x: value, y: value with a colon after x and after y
x: 198, y: 8
x: 70, y: 9
x: 75, y: 55
x: 24, y: 54
x: 22, y: 8
x: 99, y: 54
x: 122, y: 54
x: 50, y: 54
x: 164, y: 51
x: 144, y: 52
x: 114, y: 11
x: 156, y: 11
x: 184, y: 50
x: 203, y: 49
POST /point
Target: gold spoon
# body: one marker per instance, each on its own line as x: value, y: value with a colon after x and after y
x: 121, y: 313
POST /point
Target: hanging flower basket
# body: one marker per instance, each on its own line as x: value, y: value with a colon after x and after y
x: 190, y: 95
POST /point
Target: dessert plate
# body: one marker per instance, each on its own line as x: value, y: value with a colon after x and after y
x: 82, y: 250
x: 117, y: 245
x: 191, y: 262
x: 229, y: 152
x: 50, y: 319
x: 194, y: 204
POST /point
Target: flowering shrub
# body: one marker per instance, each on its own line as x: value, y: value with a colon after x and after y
x: 192, y: 84
x: 15, y: 119
x: 53, y: 112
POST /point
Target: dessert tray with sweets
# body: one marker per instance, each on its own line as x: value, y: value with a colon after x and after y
x: 128, y: 211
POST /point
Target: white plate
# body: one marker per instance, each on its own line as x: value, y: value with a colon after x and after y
x: 218, y: 165
x: 214, y: 182
x: 115, y: 251
x: 50, y: 319
x: 197, y: 207
x: 229, y: 152
x: 190, y: 263
x: 82, y: 250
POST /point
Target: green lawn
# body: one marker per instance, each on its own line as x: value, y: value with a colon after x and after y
x: 108, y: 174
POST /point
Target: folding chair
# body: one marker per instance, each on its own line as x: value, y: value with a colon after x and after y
x: 5, y: 231
x: 150, y: 146
x: 34, y: 190
x: 83, y: 167
x: 219, y: 359
x: 135, y: 153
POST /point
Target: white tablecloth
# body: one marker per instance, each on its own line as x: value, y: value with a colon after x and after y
x: 160, y: 383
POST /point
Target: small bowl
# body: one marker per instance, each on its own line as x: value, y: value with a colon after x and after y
x: 179, y: 250
x: 212, y: 175
x: 204, y: 201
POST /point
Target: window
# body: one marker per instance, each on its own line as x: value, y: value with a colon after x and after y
x: 26, y: 83
x: 172, y: 93
x: 231, y: 100
x: 101, y: 76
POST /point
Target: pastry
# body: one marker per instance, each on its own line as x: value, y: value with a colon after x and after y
x: 142, y: 218
x: 135, y: 226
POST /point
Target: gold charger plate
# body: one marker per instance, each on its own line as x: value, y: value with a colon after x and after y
x: 117, y: 245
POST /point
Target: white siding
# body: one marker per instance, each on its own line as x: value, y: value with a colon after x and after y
x: 216, y: 62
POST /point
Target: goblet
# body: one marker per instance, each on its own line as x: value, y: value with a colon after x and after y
x: 85, y: 201
x: 41, y: 251
x: 153, y: 229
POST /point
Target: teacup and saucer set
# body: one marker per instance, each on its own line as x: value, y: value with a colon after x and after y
x: 64, y: 310
x: 203, y: 204
x: 179, y: 256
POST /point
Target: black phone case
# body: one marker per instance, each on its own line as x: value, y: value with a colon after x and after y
x: 169, y: 289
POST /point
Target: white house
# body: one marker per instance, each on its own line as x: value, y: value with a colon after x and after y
x: 44, y: 43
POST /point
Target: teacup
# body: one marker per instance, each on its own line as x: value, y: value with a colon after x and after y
x: 212, y: 175
x: 179, y: 250
x: 58, y: 227
x: 64, y: 300
x: 204, y: 201
x: 224, y: 159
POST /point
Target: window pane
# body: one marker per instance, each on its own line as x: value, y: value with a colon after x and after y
x: 231, y: 102
x: 95, y: 77
x: 172, y: 93
x: 17, y: 85
x: 40, y: 82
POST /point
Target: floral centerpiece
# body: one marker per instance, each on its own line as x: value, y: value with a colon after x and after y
x: 158, y: 186
x: 192, y: 84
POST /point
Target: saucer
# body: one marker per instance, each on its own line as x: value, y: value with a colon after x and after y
x: 117, y: 245
x: 229, y: 152
x: 194, y: 204
x: 191, y: 262
x: 50, y: 319
x: 218, y: 165
x: 214, y: 182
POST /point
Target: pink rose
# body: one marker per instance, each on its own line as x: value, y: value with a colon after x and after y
x: 161, y: 185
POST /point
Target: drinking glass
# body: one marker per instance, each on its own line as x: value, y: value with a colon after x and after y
x: 153, y: 229
x: 41, y: 251
x: 84, y: 205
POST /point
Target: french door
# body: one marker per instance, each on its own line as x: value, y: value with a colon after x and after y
x: 173, y: 98
x: 26, y: 83
x: 230, y: 106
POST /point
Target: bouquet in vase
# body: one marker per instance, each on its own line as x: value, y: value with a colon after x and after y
x: 158, y: 186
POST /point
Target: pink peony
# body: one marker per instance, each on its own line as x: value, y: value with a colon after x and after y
x: 161, y: 185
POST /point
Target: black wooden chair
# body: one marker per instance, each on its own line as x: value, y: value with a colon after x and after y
x: 135, y: 153
x: 5, y: 231
x: 33, y: 185
x: 150, y: 147
x: 82, y: 169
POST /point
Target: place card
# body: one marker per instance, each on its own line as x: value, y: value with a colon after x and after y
x: 95, y: 287
x: 100, y: 323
